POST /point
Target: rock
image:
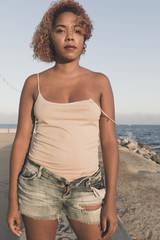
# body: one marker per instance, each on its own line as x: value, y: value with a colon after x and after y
x: 122, y: 142
x: 132, y: 145
x: 119, y: 141
x: 142, y: 151
x: 139, y: 148
x: 135, y: 150
x: 144, y: 146
x: 146, y: 156
x: 152, y: 153
x: 156, y: 158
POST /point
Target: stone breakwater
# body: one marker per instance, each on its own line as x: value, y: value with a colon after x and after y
x: 139, y: 148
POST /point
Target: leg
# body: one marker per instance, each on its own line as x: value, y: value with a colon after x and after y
x: 87, y: 231
x: 40, y: 229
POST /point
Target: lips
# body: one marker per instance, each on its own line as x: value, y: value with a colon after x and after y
x: 70, y: 47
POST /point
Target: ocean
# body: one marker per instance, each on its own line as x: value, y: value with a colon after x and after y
x: 146, y: 134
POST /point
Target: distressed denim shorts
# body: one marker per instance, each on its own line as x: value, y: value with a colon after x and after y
x: 44, y: 195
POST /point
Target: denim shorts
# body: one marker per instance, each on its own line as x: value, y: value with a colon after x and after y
x: 44, y: 195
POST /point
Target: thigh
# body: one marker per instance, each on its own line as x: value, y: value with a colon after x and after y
x: 85, y: 231
x: 40, y: 229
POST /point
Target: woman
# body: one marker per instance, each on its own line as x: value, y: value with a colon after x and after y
x: 59, y: 171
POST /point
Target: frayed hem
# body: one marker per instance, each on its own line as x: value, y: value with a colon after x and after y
x: 41, y: 217
x: 81, y: 221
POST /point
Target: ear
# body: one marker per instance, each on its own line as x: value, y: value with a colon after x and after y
x: 84, y: 48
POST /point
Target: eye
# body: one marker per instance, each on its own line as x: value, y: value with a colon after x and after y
x: 59, y: 30
x: 78, y: 31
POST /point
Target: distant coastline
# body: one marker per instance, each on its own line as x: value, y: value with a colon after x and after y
x: 9, y: 126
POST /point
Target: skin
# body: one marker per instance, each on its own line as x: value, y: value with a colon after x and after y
x: 66, y: 82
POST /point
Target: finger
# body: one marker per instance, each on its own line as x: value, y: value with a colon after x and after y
x: 107, y: 236
x: 18, y: 223
x: 104, y: 225
x: 115, y: 227
x: 13, y: 227
x: 109, y: 232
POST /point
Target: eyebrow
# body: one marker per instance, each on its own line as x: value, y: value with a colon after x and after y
x: 60, y: 26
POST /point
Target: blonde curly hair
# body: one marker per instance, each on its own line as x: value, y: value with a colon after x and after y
x: 41, y: 43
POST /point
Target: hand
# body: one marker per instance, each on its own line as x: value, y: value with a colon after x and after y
x: 109, y: 220
x: 14, y: 220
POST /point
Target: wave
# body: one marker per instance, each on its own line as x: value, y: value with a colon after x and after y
x: 156, y: 147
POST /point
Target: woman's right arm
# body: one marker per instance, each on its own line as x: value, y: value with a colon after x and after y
x: 19, y: 151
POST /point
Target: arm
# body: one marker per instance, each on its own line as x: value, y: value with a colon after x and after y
x: 110, y: 159
x: 19, y: 151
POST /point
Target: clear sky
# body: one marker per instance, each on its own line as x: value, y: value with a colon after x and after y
x: 125, y: 46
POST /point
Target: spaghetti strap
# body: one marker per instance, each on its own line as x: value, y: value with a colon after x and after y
x: 38, y: 82
x: 108, y: 116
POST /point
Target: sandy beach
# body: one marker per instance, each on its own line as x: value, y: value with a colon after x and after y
x: 138, y: 194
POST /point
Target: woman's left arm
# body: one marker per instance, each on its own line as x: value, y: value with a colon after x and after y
x: 109, y: 148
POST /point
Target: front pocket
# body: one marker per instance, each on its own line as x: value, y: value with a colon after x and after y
x: 98, y: 184
x: 100, y: 193
x: 98, y: 187
x: 28, y: 174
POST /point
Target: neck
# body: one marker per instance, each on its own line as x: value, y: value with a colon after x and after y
x: 67, y: 68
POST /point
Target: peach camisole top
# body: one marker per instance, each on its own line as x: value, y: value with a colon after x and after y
x: 67, y: 137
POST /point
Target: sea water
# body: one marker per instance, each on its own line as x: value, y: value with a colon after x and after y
x: 146, y: 134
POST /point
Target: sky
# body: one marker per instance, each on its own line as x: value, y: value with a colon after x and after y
x: 125, y: 46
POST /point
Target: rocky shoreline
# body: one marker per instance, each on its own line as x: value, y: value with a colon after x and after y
x: 139, y: 148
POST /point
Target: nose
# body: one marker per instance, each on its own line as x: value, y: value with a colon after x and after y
x: 69, y: 36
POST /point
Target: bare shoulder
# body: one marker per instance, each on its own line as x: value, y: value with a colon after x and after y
x: 100, y: 80
x: 104, y: 83
x: 30, y: 84
x: 31, y: 81
x: 96, y: 76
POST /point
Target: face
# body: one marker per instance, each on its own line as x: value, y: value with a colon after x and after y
x: 67, y: 37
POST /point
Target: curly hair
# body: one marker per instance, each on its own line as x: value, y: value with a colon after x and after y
x: 41, y: 43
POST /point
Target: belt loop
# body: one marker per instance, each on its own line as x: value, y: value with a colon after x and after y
x: 88, y: 182
x: 40, y: 172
